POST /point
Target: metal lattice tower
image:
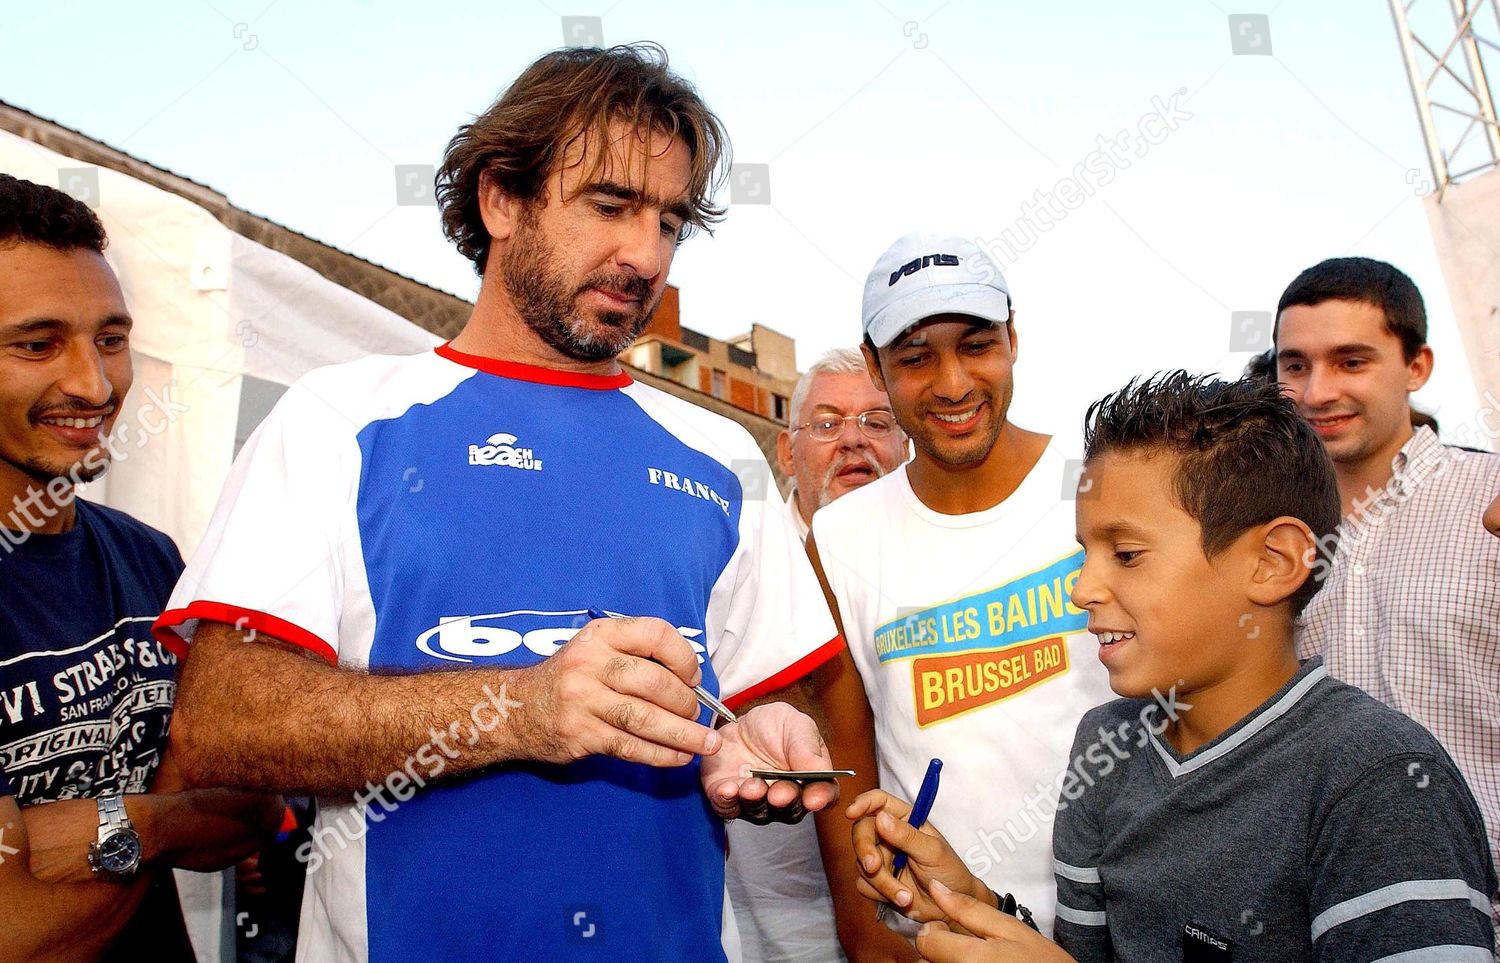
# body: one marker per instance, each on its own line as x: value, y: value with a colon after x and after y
x: 1446, y: 45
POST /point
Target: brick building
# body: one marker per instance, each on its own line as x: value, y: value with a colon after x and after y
x: 755, y: 372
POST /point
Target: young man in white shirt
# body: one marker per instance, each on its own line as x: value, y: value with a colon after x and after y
x: 1409, y: 610
x: 951, y: 578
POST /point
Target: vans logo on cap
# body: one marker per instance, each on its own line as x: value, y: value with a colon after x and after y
x: 500, y: 450
x: 926, y: 260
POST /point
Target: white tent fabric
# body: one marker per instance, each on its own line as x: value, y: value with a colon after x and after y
x: 210, y: 307
x: 1466, y: 232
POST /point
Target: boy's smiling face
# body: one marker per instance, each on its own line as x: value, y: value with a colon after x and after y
x: 1165, y: 614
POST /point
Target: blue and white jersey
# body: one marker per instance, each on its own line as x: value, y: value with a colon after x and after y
x: 444, y: 511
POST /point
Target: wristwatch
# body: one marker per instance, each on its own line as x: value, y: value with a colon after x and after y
x: 117, y: 853
x: 1006, y: 903
x: 1009, y: 906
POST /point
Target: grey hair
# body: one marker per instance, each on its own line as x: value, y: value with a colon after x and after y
x: 837, y: 361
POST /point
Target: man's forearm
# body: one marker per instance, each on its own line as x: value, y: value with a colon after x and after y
x: 51, y: 921
x: 850, y: 727
x: 72, y: 922
x: 844, y: 713
x: 800, y: 695
x: 203, y: 829
x: 256, y: 715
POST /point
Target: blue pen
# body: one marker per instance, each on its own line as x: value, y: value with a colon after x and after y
x: 704, y: 696
x: 920, y: 809
x: 919, y: 813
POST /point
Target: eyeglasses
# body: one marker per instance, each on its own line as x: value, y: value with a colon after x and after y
x: 875, y: 423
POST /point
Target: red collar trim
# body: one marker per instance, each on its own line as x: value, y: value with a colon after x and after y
x: 527, y: 372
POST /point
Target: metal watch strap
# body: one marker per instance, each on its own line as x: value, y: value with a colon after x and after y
x: 112, y: 815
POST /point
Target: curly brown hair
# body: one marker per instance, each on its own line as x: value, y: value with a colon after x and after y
x: 45, y: 215
x: 567, y: 94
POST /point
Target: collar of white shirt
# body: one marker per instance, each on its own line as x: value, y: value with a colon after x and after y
x: 1418, y: 457
x: 791, y: 506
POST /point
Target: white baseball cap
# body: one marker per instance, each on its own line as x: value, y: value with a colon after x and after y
x: 924, y: 274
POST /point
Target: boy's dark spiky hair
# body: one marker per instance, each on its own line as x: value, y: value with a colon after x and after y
x: 1245, y: 456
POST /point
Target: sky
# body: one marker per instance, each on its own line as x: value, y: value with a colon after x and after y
x: 1210, y: 177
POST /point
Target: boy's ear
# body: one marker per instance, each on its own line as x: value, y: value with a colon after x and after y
x: 1282, y: 560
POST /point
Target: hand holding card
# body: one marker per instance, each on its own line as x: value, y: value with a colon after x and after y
x: 800, y: 775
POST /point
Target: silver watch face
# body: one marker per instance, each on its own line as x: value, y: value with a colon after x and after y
x: 120, y: 852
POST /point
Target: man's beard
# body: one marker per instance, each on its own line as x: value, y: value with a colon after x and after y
x: 549, y: 307
x: 86, y: 468
x: 83, y: 470
x: 839, y: 464
x: 955, y: 453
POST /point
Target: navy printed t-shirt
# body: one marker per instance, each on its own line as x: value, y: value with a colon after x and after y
x: 85, y: 692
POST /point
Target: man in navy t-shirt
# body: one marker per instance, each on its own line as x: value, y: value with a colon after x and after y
x: 86, y: 693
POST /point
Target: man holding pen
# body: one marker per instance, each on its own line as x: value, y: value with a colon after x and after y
x: 391, y: 603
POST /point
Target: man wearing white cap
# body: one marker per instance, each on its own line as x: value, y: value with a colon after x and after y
x: 951, y: 578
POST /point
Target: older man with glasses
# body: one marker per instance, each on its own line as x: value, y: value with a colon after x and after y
x: 842, y: 435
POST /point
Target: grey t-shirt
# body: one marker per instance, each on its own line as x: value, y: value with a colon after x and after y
x: 1322, y: 826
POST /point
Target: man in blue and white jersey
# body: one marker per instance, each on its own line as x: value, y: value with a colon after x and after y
x: 391, y: 607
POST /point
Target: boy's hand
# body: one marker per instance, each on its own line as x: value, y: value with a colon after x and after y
x: 880, y: 828
x: 998, y: 937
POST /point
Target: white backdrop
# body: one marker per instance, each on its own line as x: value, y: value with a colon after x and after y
x: 210, y: 307
x: 1466, y: 232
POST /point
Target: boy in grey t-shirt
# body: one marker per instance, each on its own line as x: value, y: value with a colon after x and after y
x: 1235, y: 805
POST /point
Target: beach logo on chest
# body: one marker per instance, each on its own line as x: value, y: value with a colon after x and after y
x: 537, y: 633
x: 500, y: 449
